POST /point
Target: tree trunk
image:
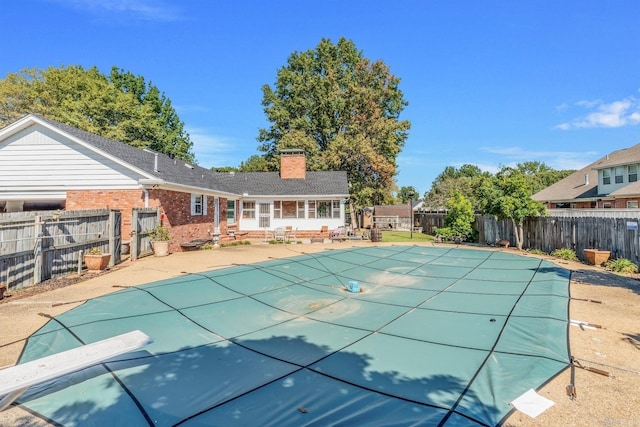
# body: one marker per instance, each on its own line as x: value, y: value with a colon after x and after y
x: 355, y: 226
x: 519, y: 232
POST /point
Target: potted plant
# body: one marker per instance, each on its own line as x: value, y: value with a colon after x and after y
x: 96, y: 260
x: 160, y: 240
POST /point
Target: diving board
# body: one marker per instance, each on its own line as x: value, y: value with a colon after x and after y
x: 17, y: 379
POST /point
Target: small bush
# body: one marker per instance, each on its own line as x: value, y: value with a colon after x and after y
x: 565, y: 253
x: 236, y: 243
x: 622, y: 265
x: 536, y: 251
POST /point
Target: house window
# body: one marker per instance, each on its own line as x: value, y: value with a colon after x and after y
x: 277, y: 209
x: 633, y: 173
x: 198, y: 204
x: 289, y: 209
x: 248, y: 209
x: 328, y: 208
x: 606, y: 205
x: 606, y: 176
x: 231, y: 211
x: 312, y: 209
x: 619, y: 175
x: 632, y: 204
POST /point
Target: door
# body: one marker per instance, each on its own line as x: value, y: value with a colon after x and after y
x: 264, y: 215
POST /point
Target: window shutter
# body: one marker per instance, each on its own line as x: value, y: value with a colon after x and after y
x: 204, y: 204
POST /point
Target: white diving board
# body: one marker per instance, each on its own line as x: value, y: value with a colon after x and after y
x: 17, y: 379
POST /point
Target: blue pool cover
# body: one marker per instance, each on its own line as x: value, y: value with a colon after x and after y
x: 431, y: 336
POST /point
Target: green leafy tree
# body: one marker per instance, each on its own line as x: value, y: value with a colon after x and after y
x: 459, y: 219
x: 465, y: 180
x: 255, y: 163
x: 539, y: 176
x: 344, y: 111
x: 120, y: 107
x: 172, y: 139
x: 508, y: 196
x: 408, y: 193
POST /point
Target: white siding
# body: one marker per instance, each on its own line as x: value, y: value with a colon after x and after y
x: 38, y: 159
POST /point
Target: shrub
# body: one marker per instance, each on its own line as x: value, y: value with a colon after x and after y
x: 622, y: 265
x: 565, y: 253
x: 94, y: 251
x: 159, y: 233
x: 536, y: 251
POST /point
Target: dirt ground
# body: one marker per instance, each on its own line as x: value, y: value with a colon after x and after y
x: 607, y: 386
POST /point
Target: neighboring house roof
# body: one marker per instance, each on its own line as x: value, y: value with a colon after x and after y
x: 164, y: 170
x: 575, y: 186
x: 401, y: 210
x: 583, y: 184
x: 624, y: 156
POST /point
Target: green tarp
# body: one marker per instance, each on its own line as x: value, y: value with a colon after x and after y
x: 437, y: 336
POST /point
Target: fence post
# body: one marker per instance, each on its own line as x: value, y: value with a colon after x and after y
x: 38, y: 253
x: 112, y: 238
x: 133, y: 242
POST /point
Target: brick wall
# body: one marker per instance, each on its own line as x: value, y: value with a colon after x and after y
x: 123, y: 200
x: 293, y: 166
x: 183, y: 226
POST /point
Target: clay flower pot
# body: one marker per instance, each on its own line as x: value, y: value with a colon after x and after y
x: 596, y: 257
x: 97, y: 262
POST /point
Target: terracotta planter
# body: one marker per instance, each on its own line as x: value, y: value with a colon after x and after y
x: 160, y: 247
x: 97, y: 262
x: 3, y: 289
x: 596, y: 257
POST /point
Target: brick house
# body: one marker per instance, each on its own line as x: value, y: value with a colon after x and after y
x: 47, y: 165
x: 610, y: 182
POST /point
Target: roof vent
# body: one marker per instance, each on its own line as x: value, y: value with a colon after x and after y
x: 187, y: 165
x: 155, y: 162
x: 586, y: 179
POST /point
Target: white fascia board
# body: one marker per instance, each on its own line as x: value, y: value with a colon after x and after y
x: 295, y: 196
x: 162, y: 184
x: 30, y: 119
x: 38, y: 195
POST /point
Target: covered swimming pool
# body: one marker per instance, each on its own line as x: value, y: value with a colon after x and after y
x: 433, y: 336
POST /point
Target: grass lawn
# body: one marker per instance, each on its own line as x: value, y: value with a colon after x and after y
x: 405, y: 237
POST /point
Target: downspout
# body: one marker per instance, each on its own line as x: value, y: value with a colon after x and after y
x: 146, y: 197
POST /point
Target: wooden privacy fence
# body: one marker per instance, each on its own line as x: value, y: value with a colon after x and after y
x: 142, y: 220
x: 577, y: 230
x: 36, y: 246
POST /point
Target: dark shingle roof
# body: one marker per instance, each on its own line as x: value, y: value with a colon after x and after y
x: 270, y: 184
x: 179, y: 172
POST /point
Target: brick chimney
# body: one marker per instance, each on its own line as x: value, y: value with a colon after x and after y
x: 293, y: 164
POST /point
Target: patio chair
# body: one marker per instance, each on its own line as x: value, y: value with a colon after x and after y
x: 280, y: 233
x: 290, y: 232
x: 339, y: 234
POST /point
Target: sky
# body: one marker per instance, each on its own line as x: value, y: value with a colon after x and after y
x: 489, y: 83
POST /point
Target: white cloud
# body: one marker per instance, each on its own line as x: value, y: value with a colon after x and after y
x: 615, y: 114
x: 559, y: 160
x: 213, y: 150
x: 146, y: 10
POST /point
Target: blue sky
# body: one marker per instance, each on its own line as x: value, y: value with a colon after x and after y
x: 488, y: 83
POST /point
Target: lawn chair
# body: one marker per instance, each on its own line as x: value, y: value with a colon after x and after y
x: 280, y: 233
x: 290, y: 232
x: 340, y: 234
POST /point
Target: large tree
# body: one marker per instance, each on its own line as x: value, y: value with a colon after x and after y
x: 507, y: 195
x: 450, y: 181
x: 120, y: 106
x: 344, y: 111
